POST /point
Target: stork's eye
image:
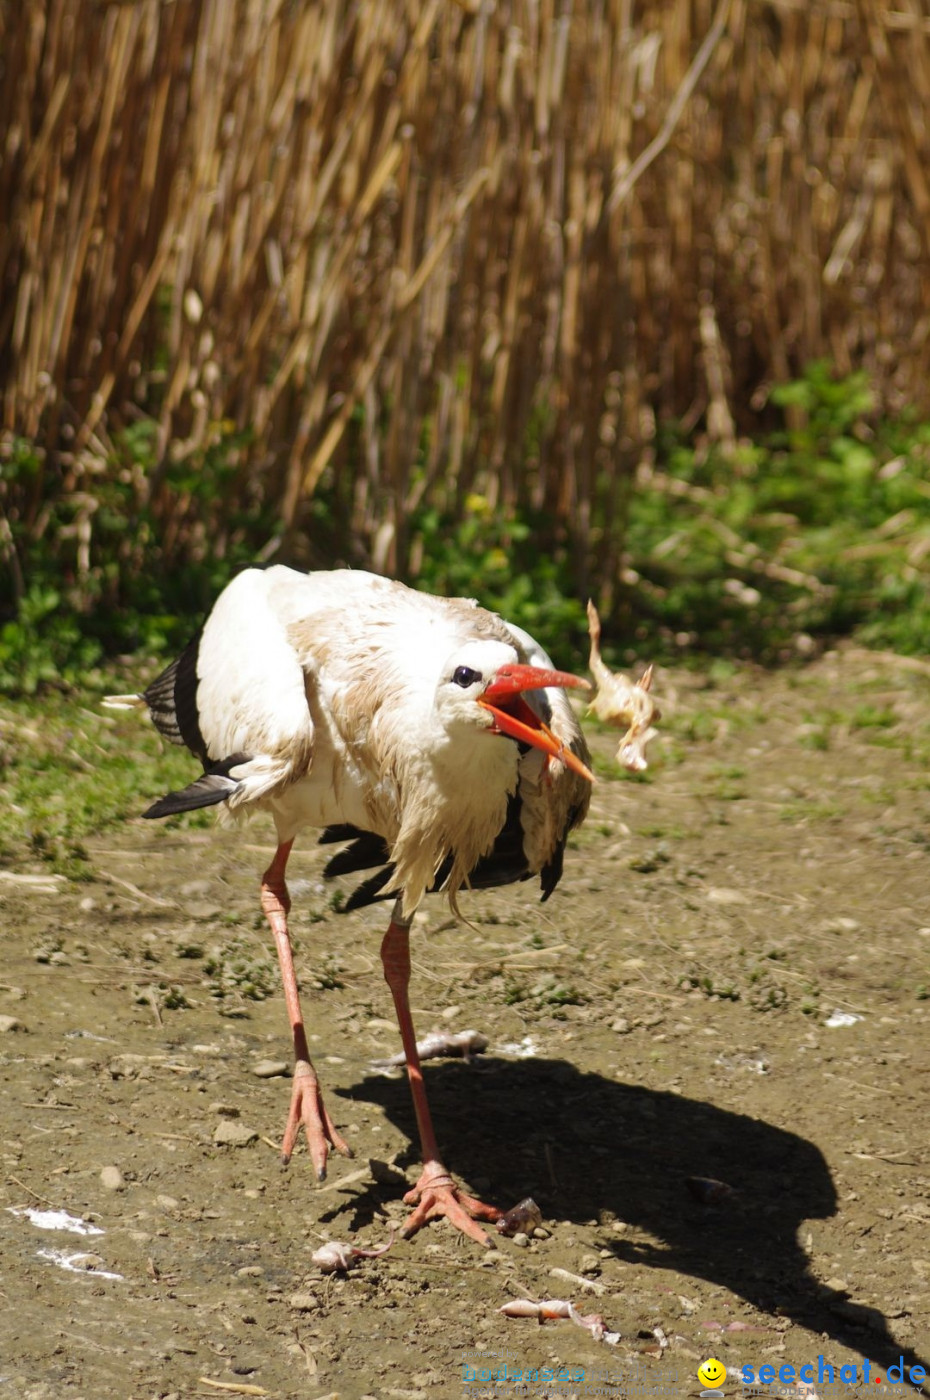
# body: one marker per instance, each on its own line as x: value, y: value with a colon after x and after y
x: 465, y: 676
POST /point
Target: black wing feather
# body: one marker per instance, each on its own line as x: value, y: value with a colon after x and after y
x: 172, y: 702
x: 214, y: 785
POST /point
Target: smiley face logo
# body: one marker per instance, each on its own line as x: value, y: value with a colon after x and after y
x: 712, y: 1373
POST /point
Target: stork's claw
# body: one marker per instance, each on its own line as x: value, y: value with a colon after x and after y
x: 307, y: 1108
x: 436, y: 1194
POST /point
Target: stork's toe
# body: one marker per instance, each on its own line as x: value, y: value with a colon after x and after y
x: 436, y: 1194
x: 308, y: 1109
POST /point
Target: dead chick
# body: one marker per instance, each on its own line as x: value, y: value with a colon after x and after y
x: 338, y: 1258
x: 622, y: 702
x: 462, y: 1045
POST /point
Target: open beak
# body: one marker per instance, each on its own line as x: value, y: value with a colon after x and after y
x: 503, y: 698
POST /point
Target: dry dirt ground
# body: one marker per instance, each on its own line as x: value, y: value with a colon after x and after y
x: 669, y: 1014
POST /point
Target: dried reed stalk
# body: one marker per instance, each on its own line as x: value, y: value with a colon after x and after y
x: 416, y: 251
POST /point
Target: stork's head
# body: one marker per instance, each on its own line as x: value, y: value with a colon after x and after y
x: 485, y: 685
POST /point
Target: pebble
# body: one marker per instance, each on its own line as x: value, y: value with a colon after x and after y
x: 521, y: 1240
x: 168, y: 1202
x: 303, y: 1302
x: 270, y: 1069
x: 111, y: 1179
x: 86, y: 1261
x: 229, y: 1133
x: 193, y: 888
x: 722, y: 895
x: 127, y: 1066
x: 202, y: 909
x: 250, y: 1271
x: 10, y: 1023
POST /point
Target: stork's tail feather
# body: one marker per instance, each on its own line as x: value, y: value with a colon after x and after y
x: 371, y: 890
x: 209, y: 789
x: 366, y: 850
x: 124, y: 702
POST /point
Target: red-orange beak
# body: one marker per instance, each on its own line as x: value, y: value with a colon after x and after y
x: 513, y: 716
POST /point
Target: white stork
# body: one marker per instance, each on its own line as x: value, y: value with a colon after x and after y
x: 429, y: 733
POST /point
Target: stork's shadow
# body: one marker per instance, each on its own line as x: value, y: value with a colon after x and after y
x: 583, y: 1146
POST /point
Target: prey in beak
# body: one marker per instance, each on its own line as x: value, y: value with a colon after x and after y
x: 503, y: 699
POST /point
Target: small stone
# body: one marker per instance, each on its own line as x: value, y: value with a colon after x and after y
x: 167, y: 1202
x: 590, y: 1264
x: 111, y: 1179
x: 722, y: 895
x: 127, y: 1066
x: 10, y: 1023
x: 541, y: 1233
x: 203, y: 909
x: 621, y: 1026
x: 303, y: 1302
x: 250, y: 1271
x: 521, y: 1240
x: 86, y: 1261
x: 270, y: 1069
x: 193, y: 888
x: 87, y: 904
x: 229, y: 1133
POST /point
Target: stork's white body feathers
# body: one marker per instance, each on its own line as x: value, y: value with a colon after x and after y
x: 325, y: 685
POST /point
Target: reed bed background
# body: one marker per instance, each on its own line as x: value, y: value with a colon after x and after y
x: 279, y: 276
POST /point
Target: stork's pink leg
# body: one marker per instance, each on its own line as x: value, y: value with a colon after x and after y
x: 435, y: 1193
x: 306, y: 1099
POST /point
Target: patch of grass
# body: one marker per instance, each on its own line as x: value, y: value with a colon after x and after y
x: 704, y: 982
x: 817, y: 530
x: 328, y: 977
x: 68, y: 770
x: 662, y: 833
x: 237, y: 972
x: 728, y: 785
x: 810, y: 810
x: 873, y: 717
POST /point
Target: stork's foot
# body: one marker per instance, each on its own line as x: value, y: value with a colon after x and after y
x: 436, y: 1194
x: 307, y: 1108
